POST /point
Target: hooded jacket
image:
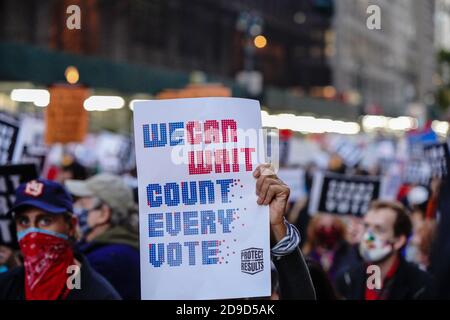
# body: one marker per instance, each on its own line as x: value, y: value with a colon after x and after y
x: 115, y: 255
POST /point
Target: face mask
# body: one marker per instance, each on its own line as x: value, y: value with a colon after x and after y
x: 82, y: 215
x: 47, y: 255
x: 328, y: 237
x: 373, y: 249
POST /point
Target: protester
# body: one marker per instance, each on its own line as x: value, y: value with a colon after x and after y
x: 104, y: 204
x: 355, y: 229
x: 8, y: 258
x: 440, y: 257
x: 327, y: 244
x: 322, y: 283
x: 71, y: 169
x: 294, y: 278
x: 418, y: 250
x: 387, y: 229
x: 45, y: 224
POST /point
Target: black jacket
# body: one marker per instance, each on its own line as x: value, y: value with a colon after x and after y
x: 93, y: 285
x: 409, y: 283
x: 294, y: 278
x: 440, y: 258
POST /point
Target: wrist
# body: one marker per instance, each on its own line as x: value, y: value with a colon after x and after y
x: 279, y: 231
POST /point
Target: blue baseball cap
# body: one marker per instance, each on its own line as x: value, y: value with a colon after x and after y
x: 43, y: 194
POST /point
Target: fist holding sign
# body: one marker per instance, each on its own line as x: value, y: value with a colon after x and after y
x: 202, y: 233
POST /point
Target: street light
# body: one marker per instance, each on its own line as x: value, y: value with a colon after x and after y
x: 72, y: 75
x: 260, y: 41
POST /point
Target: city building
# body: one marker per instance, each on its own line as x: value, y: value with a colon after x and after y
x: 390, y: 69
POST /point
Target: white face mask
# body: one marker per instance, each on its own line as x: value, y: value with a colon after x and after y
x: 373, y: 249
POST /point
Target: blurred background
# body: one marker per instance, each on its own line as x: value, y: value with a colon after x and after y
x: 354, y: 87
x: 322, y: 74
x: 308, y: 57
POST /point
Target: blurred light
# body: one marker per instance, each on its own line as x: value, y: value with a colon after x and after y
x: 329, y: 92
x: 260, y: 41
x: 72, y: 75
x: 299, y: 17
x: 40, y: 97
x: 402, y: 123
x: 440, y: 127
x: 308, y: 124
x: 103, y: 103
x: 371, y: 123
x: 374, y: 122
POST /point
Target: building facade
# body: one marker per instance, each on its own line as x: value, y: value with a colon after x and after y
x: 390, y: 68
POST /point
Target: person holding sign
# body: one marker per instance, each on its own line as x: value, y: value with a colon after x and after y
x: 52, y: 270
x: 294, y: 278
x: 201, y: 225
x: 385, y: 274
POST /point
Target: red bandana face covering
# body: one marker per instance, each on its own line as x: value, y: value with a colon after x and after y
x: 47, y: 256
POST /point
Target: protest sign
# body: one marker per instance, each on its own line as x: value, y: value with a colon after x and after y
x: 10, y: 178
x: 417, y: 141
x: 417, y: 172
x: 114, y: 152
x: 437, y: 155
x: 30, y: 147
x: 9, y: 130
x: 295, y: 179
x: 202, y: 234
x: 66, y: 119
x: 343, y: 194
x: 392, y: 179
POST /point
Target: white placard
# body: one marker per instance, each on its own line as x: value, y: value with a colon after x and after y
x: 294, y: 178
x: 202, y: 234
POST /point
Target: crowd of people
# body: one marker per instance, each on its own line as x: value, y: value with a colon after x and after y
x: 398, y: 250
x: 404, y: 238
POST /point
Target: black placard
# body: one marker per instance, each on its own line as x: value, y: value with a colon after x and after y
x: 9, y: 130
x: 343, y: 194
x: 437, y: 155
x: 10, y: 178
x: 417, y: 172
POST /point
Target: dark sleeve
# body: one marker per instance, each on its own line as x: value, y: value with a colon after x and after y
x: 440, y: 259
x: 294, y: 278
x: 341, y: 286
x: 12, y: 284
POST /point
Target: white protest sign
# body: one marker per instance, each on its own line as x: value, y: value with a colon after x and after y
x: 295, y: 179
x: 202, y: 234
x: 30, y: 146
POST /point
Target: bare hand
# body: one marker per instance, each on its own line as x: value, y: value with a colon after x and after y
x: 273, y: 192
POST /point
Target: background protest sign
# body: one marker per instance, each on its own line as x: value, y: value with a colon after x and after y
x: 295, y: 179
x: 343, y: 194
x: 9, y: 129
x: 10, y: 178
x: 417, y: 172
x: 202, y: 234
x: 437, y: 155
x: 115, y: 152
x: 30, y: 147
x: 66, y: 119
